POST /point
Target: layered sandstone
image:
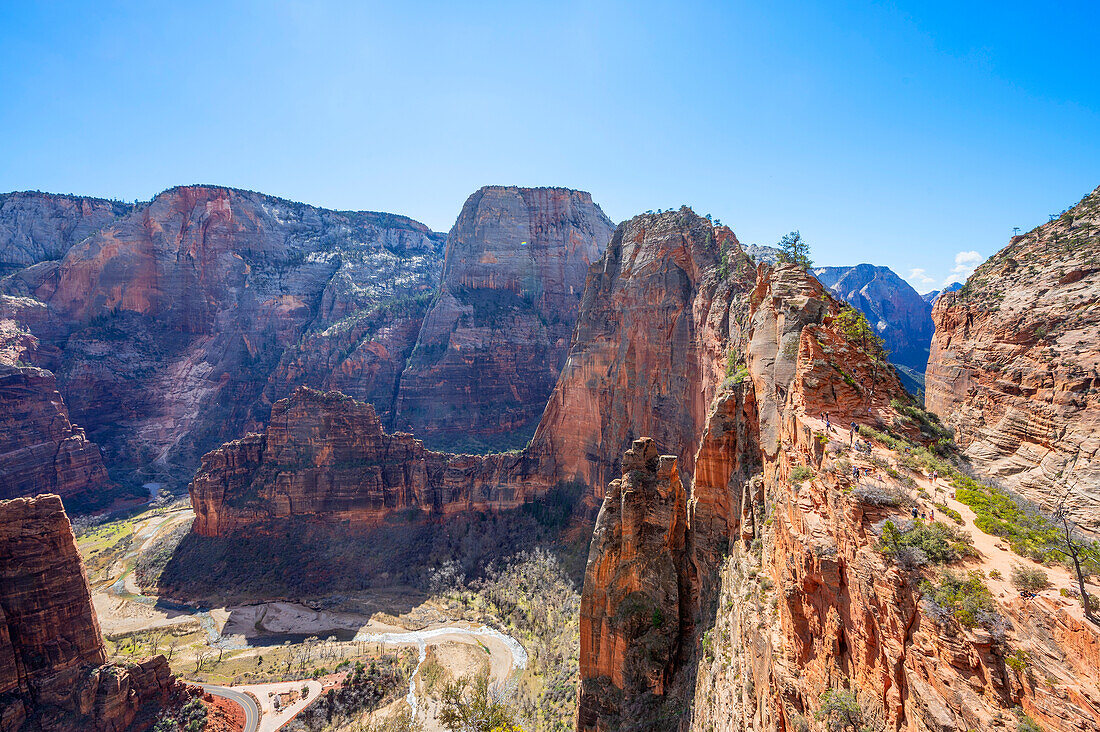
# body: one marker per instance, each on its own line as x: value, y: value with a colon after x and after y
x: 41, y: 451
x: 324, y: 458
x: 180, y: 323
x: 650, y: 348
x: 1015, y: 365
x: 36, y: 227
x: 53, y: 669
x: 630, y: 617
x: 492, y: 345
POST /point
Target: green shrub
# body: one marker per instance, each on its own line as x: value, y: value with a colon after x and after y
x: 1017, y: 661
x: 950, y: 513
x: 1029, y: 579
x: 800, y: 473
x: 840, y: 710
x: 938, y: 542
x: 962, y: 597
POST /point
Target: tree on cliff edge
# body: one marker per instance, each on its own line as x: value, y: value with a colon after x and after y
x: 793, y: 249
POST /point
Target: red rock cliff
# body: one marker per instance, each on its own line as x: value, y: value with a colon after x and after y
x: 180, y: 323
x: 325, y: 458
x: 649, y: 352
x: 1015, y: 364
x: 490, y: 350
x: 53, y: 670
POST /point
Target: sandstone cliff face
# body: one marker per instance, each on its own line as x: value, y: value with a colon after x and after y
x: 1015, y: 365
x: 893, y: 308
x: 53, y: 670
x: 492, y: 346
x: 792, y: 358
x: 631, y: 607
x: 35, y: 227
x: 324, y: 458
x: 180, y: 323
x: 650, y: 348
x: 40, y: 449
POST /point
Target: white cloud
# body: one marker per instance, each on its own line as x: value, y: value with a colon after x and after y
x: 919, y: 277
x: 965, y: 264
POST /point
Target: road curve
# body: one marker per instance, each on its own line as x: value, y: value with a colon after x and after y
x: 251, y: 711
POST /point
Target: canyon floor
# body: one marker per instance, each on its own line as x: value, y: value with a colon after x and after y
x: 263, y: 647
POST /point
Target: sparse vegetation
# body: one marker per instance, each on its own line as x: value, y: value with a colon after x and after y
x: 963, y: 597
x: 1029, y: 579
x: 916, y: 543
x: 800, y: 473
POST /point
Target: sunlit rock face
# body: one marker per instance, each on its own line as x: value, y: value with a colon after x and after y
x: 1015, y: 365
x: 492, y: 346
x: 176, y: 326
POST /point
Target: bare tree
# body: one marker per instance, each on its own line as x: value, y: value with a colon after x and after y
x: 1073, y: 548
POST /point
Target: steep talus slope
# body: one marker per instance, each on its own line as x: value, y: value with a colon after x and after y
x: 53, y: 669
x: 649, y: 352
x: 1015, y: 366
x: 897, y: 312
x: 494, y: 342
x: 325, y: 458
x: 36, y: 227
x: 178, y: 324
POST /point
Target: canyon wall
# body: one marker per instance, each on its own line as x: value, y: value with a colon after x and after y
x: 1015, y: 365
x: 175, y: 327
x: 54, y: 673
x: 650, y: 348
x: 36, y: 227
x: 324, y: 458
x: 782, y: 595
x: 492, y: 345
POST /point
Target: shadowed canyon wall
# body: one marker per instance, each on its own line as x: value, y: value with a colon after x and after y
x: 54, y: 673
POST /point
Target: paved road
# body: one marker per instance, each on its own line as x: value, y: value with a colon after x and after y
x: 251, y: 711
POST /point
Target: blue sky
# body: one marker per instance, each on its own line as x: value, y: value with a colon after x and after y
x: 911, y: 135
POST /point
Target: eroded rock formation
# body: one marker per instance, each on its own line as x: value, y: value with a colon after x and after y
x: 54, y: 673
x: 177, y: 325
x: 649, y: 352
x: 324, y: 458
x: 492, y: 346
x: 782, y: 593
x: 1015, y: 366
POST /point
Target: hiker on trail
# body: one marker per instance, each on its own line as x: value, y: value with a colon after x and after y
x: 855, y: 473
x: 935, y: 474
x: 852, y: 434
x: 914, y: 512
x: 828, y: 427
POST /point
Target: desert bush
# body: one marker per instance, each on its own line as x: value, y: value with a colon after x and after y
x: 800, y: 473
x: 965, y: 598
x: 937, y: 541
x: 1029, y: 579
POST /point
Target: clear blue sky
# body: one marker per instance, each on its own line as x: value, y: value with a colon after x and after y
x: 900, y: 134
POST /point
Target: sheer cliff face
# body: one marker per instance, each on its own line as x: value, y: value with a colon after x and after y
x: 325, y: 459
x: 790, y: 359
x: 177, y: 325
x: 1015, y: 366
x: 893, y: 308
x: 53, y: 670
x: 650, y: 347
x: 36, y: 227
x: 491, y: 348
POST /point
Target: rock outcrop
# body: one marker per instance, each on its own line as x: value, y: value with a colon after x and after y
x: 781, y: 592
x: 36, y: 227
x: 650, y: 348
x: 324, y: 458
x: 630, y: 618
x: 179, y: 324
x: 893, y: 308
x: 1015, y: 365
x: 54, y: 673
x: 492, y: 346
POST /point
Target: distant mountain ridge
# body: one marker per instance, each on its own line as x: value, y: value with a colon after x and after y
x: 931, y: 297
